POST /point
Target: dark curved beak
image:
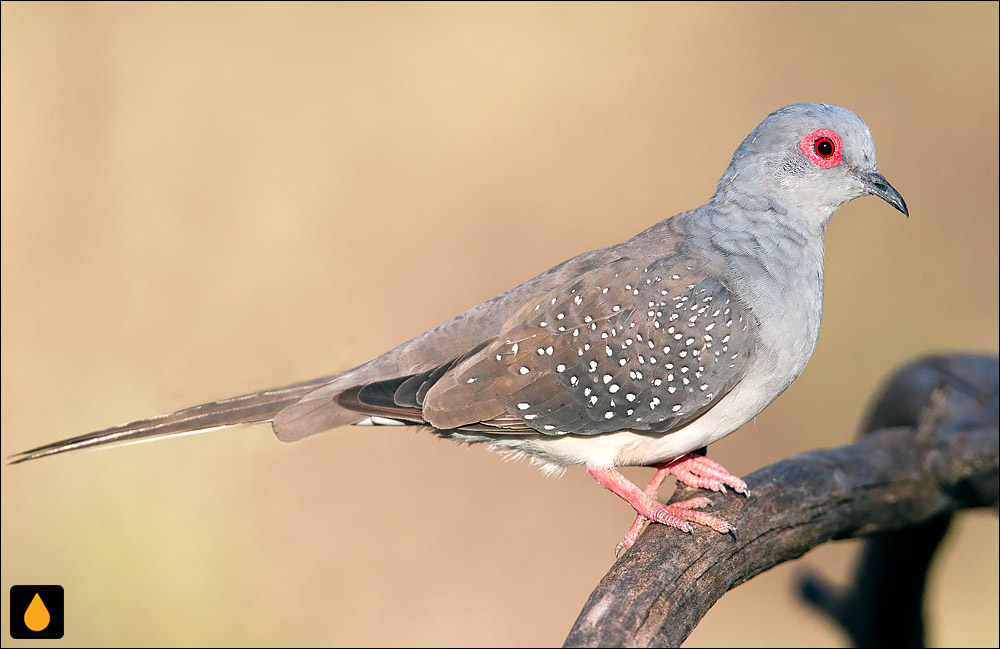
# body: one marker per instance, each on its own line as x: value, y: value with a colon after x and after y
x: 876, y: 185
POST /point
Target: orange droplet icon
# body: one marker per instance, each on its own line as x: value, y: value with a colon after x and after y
x: 36, y: 617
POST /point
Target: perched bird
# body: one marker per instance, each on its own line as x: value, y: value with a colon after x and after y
x: 633, y: 355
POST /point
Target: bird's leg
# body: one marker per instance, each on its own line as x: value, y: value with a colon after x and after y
x: 693, y: 470
x: 662, y: 471
x: 679, y: 515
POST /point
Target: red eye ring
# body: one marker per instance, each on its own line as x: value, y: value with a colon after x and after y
x: 822, y: 147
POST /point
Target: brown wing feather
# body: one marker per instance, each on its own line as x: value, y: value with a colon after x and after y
x: 624, y: 347
x: 630, y: 347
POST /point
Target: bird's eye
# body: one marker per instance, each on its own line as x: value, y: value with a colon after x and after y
x: 822, y: 147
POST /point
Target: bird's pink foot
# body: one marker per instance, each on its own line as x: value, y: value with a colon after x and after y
x: 676, y: 515
x: 679, y: 515
x: 703, y: 473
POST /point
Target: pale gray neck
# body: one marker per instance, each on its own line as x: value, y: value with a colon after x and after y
x: 770, y: 243
x: 769, y: 255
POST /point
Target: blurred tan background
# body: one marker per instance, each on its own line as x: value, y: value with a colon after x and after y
x: 204, y: 200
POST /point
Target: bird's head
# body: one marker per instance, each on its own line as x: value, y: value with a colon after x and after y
x: 809, y: 159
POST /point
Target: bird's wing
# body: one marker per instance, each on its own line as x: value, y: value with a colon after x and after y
x: 627, y: 346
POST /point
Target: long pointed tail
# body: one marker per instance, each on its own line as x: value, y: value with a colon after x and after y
x: 246, y: 409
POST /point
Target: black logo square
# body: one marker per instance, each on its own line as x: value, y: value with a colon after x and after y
x: 36, y: 612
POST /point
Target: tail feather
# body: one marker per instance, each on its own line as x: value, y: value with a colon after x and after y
x: 246, y: 409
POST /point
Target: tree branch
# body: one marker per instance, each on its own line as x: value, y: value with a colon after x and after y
x: 896, y: 477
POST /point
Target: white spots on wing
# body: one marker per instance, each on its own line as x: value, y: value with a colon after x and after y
x: 530, y: 416
x: 676, y: 408
x: 560, y: 368
x: 524, y: 370
x: 630, y: 397
x: 655, y: 402
x: 523, y: 406
x: 609, y: 415
x: 614, y: 387
x: 607, y: 379
x: 473, y: 379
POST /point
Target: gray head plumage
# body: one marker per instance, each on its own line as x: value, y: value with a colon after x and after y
x: 807, y: 160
